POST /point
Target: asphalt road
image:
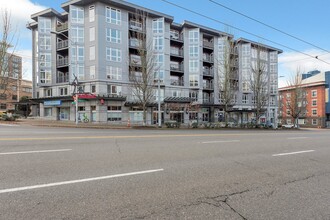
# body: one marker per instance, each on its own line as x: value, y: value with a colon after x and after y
x: 67, y: 173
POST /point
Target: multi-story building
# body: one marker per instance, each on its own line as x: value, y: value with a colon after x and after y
x: 314, y: 104
x: 96, y: 42
x: 12, y: 87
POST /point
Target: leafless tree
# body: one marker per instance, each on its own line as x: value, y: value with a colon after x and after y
x: 259, y: 83
x: 7, y: 41
x: 143, y: 66
x: 296, y: 98
x: 226, y: 77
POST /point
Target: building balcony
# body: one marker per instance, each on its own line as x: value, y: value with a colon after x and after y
x: 176, y: 52
x: 208, y: 58
x: 135, y: 60
x: 175, y: 82
x: 208, y: 72
x: 208, y: 101
x: 208, y: 86
x: 62, y: 79
x: 63, y: 62
x: 176, y: 67
x: 208, y: 44
x: 135, y: 25
x: 134, y: 43
x: 62, y: 27
x: 62, y: 44
x: 176, y: 36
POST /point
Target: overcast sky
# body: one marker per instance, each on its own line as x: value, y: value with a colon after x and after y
x: 304, y: 19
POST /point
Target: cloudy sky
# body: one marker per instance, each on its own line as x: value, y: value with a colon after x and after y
x: 303, y: 19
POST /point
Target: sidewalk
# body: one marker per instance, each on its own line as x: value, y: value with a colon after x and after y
x: 68, y: 124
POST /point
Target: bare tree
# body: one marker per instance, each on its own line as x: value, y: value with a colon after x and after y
x: 226, y: 77
x: 8, y: 37
x: 143, y: 66
x: 259, y: 83
x: 296, y: 97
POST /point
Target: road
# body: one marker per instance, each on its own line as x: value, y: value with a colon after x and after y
x: 70, y: 173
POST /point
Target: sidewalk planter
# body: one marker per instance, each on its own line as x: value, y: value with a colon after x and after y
x: 172, y: 124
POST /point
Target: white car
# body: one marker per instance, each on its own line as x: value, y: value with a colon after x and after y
x: 289, y: 126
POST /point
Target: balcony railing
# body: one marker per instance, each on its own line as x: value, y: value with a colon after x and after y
x: 176, y: 52
x: 135, y: 25
x: 62, y: 79
x: 208, y: 44
x: 175, y: 35
x: 208, y: 101
x: 208, y: 72
x: 62, y: 27
x: 133, y: 42
x: 63, y: 62
x: 208, y: 86
x: 135, y: 60
x: 62, y: 44
x: 176, y: 67
x: 176, y: 82
x: 208, y: 58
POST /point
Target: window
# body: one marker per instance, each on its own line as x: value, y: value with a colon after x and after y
x: 48, y: 112
x: 79, y: 72
x: 246, y: 49
x: 314, y: 121
x: 14, y: 97
x: 158, y: 26
x: 193, y: 51
x: 113, y: 54
x: 288, y: 112
x: 245, y: 99
x: 112, y: 15
x: 91, y: 13
x: 48, y: 92
x: 45, y: 60
x: 194, y: 66
x: 158, y: 43
x: 14, y: 88
x: 314, y: 112
x: 93, y: 88
x: 273, y: 56
x: 92, y: 34
x: 114, y: 73
x: 92, y: 53
x: 193, y: 80
x: 45, y: 76
x: 3, y: 106
x: 80, y: 54
x: 314, y: 93
x: 114, y: 90
x: 92, y: 72
x: 44, y: 25
x: 114, y: 113
x: 113, y: 35
x: 63, y: 91
x: 77, y: 34
x: 194, y: 36
x: 77, y: 15
x: 314, y: 102
x: 193, y: 95
x: 44, y: 42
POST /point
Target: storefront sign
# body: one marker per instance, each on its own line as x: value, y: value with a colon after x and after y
x: 52, y: 103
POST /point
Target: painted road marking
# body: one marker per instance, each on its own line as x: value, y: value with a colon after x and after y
x: 295, y: 138
x: 9, y: 125
x: 32, y: 152
x: 228, y: 141
x: 298, y: 152
x: 77, y: 181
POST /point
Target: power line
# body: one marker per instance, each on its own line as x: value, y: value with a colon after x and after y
x: 244, y: 31
x: 269, y: 26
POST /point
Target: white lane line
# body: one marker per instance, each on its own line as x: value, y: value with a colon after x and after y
x: 295, y: 138
x: 77, y: 181
x: 32, y: 152
x: 298, y: 152
x: 9, y: 125
x: 211, y: 142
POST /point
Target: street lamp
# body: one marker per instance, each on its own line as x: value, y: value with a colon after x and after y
x: 159, y: 113
x: 75, y: 81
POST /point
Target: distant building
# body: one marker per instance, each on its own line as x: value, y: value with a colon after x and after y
x: 94, y: 41
x: 12, y: 86
x: 316, y: 105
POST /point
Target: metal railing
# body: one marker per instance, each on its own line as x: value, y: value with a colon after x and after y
x: 63, y: 62
x: 62, y: 27
x: 175, y: 82
x: 62, y: 44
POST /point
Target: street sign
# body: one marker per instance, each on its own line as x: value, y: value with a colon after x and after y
x: 52, y: 103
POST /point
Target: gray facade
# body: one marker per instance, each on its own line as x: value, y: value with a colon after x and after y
x: 94, y: 41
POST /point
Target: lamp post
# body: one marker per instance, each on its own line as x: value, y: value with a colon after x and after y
x: 159, y: 112
x: 75, y: 81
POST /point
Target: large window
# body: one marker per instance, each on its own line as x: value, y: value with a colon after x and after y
x: 113, y: 35
x: 80, y: 54
x: 44, y: 42
x: 158, y: 42
x: 77, y: 34
x: 194, y: 66
x: 113, y: 54
x: 45, y: 60
x: 158, y: 26
x: 114, y: 73
x: 194, y: 36
x: 114, y: 113
x: 44, y: 25
x: 45, y: 76
x: 92, y: 34
x: 48, y: 112
x: 314, y: 112
x: 92, y: 53
x: 245, y: 99
x: 193, y: 80
x: 113, y: 15
x: 193, y: 51
x: 114, y: 90
x: 77, y: 15
x: 314, y: 93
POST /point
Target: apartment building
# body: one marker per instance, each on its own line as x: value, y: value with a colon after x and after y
x: 314, y: 104
x: 95, y: 43
x: 12, y: 86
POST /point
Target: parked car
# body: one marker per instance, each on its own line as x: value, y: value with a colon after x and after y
x: 289, y: 126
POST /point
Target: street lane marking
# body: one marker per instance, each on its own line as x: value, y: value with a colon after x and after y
x: 9, y: 125
x: 32, y: 152
x: 298, y: 152
x: 77, y: 181
x: 211, y: 142
x: 295, y: 138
